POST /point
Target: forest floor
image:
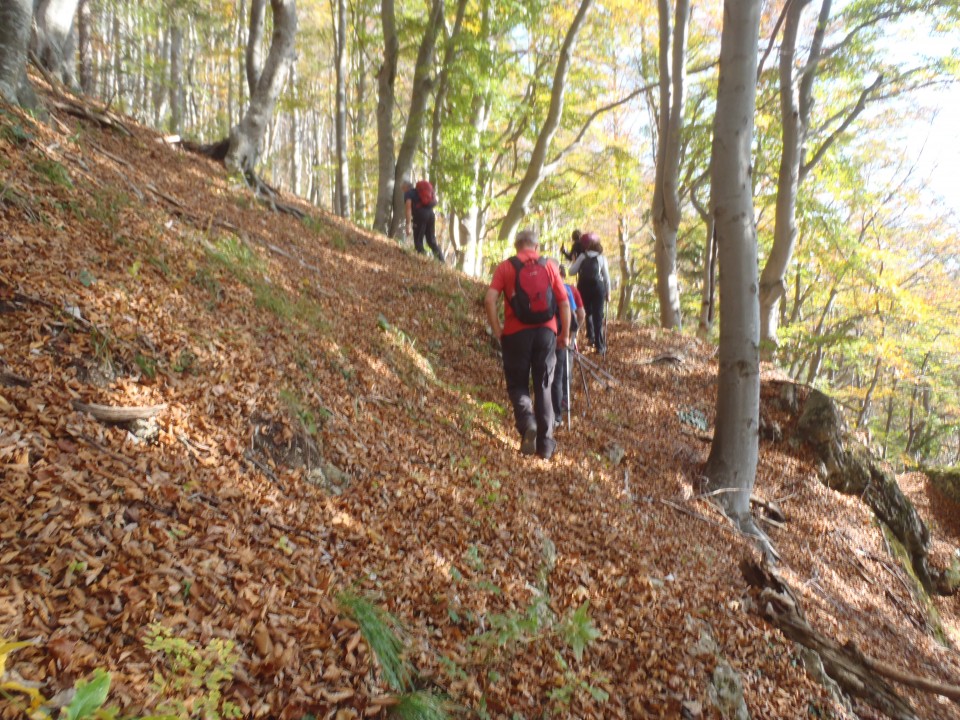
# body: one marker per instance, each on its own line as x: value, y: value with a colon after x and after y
x: 336, y: 426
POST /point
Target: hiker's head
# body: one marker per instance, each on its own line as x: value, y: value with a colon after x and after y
x: 591, y: 242
x: 575, y: 236
x: 563, y: 271
x: 526, y: 240
x: 405, y: 185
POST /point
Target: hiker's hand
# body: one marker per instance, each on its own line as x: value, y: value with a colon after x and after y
x: 563, y: 341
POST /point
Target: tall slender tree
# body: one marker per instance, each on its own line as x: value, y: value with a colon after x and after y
x: 538, y: 157
x: 665, y: 206
x: 732, y: 464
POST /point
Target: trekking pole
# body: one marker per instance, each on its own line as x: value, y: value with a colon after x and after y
x: 606, y: 340
x: 583, y: 377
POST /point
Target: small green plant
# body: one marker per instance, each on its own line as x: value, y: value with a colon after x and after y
x: 186, y: 362
x: 147, y: 365
x: 236, y: 257
x: 578, y: 630
x: 574, y: 684
x: 310, y: 421
x: 102, y: 346
x: 15, y: 134
x: 206, y: 280
x: 190, y: 684
x: 473, y: 559
x: 382, y: 633
x: 313, y: 224
x: 421, y: 705
x: 53, y: 172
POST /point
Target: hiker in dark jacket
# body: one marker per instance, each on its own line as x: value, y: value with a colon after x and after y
x: 593, y: 282
x: 576, y: 249
x: 421, y: 218
x: 529, y: 347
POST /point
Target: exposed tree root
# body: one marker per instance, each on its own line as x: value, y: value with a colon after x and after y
x: 266, y: 194
x: 857, y: 674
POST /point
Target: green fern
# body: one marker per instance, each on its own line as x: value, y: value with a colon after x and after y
x: 381, y: 631
x: 421, y: 705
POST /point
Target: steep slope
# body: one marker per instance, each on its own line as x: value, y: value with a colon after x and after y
x: 334, y: 421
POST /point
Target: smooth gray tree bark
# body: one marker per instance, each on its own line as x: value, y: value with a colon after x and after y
x: 665, y: 206
x: 423, y: 82
x: 245, y: 137
x: 538, y: 158
x: 54, y: 37
x: 342, y: 205
x: 85, y: 47
x: 177, y: 94
x: 732, y: 464
x: 795, y: 106
x: 253, y: 55
x: 386, y: 104
x: 15, y: 18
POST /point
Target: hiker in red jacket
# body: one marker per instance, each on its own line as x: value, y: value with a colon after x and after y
x: 529, y: 338
x: 419, y: 202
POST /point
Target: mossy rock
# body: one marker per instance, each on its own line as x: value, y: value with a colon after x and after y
x: 849, y: 467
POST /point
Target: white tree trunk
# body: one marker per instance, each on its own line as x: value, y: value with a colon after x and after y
x: 732, y: 464
x: 342, y: 177
x: 246, y: 136
x: 254, y: 52
x: 176, y: 75
x: 666, y: 197
x: 15, y: 17
x: 538, y: 158
x: 54, y: 39
x: 795, y: 106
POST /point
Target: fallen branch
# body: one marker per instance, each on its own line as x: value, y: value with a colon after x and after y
x: 10, y: 379
x: 119, y: 414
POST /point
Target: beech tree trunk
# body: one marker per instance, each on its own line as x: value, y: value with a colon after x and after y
x: 538, y: 158
x: 342, y: 177
x: 254, y: 51
x: 15, y: 18
x: 386, y: 102
x: 422, y: 85
x: 176, y: 75
x: 732, y: 463
x: 665, y: 206
x: 54, y: 38
x: 796, y: 102
x: 245, y: 137
x: 85, y: 47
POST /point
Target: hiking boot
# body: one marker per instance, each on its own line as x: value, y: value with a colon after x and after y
x: 529, y: 444
x: 547, y: 452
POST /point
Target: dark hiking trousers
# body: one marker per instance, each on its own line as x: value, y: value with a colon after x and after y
x: 594, y: 302
x: 559, y: 388
x: 531, y: 351
x: 424, y: 226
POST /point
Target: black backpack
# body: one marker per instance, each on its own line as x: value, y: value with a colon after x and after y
x: 533, y: 301
x: 589, y: 277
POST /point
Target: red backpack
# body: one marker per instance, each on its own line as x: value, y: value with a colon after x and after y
x: 428, y: 198
x: 533, y: 301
